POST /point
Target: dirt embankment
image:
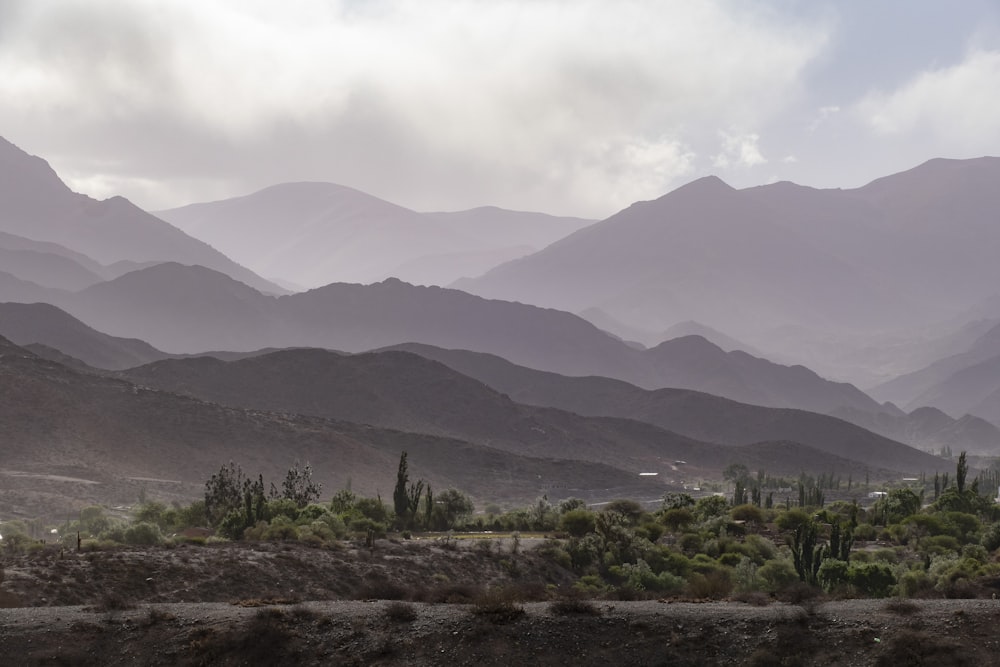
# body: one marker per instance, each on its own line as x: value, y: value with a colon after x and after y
x: 422, y: 604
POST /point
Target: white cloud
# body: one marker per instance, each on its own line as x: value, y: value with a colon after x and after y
x: 954, y: 108
x: 739, y: 150
x: 822, y: 116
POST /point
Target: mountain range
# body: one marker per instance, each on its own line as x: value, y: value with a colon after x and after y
x: 35, y: 205
x: 135, y: 353
x: 72, y: 437
x: 959, y: 384
x: 827, y: 264
x: 182, y: 309
x: 313, y: 234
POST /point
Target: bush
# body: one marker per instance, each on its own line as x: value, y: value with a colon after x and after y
x: 833, y: 574
x: 577, y: 522
x: 678, y: 518
x: 872, y: 579
x: 991, y: 537
x: 791, y: 520
x: 641, y: 577
x: 143, y: 533
x: 914, y: 583
x: 715, y: 584
x: 777, y: 574
x: 748, y: 513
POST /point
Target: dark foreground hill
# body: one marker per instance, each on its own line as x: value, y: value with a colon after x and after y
x: 694, y: 414
x: 402, y: 390
x: 70, y: 437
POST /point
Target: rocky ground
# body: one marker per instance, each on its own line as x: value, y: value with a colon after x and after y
x: 283, y: 604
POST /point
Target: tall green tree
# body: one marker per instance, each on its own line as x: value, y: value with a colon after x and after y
x: 400, y: 501
x: 406, y: 496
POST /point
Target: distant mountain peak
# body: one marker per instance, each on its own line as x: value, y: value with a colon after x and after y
x: 705, y: 186
x: 21, y: 174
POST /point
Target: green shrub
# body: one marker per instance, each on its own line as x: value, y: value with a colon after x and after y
x: 730, y: 559
x: 590, y: 584
x: 991, y: 537
x: 691, y: 543
x: 713, y: 584
x: 872, y: 579
x: 577, y: 522
x: 790, y: 520
x: 677, y: 519
x: 777, y: 574
x: 759, y: 549
x: 833, y: 574
x: 640, y: 577
x: 144, y: 533
x: 865, y: 532
x: 748, y: 513
x: 885, y: 556
x: 940, y: 544
x: 914, y: 582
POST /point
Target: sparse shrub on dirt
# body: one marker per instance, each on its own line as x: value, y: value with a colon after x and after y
x: 498, y: 605
x: 568, y: 606
x: 902, y: 607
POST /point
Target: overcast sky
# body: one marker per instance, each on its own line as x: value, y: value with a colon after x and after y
x: 565, y: 106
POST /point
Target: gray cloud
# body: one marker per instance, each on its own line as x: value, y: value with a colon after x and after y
x: 570, y: 107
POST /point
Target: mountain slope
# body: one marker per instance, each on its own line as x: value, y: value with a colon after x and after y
x: 923, y: 386
x: 83, y: 438
x: 192, y: 309
x: 406, y: 391
x: 15, y: 289
x: 317, y: 233
x: 931, y: 429
x: 41, y: 323
x: 834, y: 266
x: 694, y: 414
x: 703, y: 252
x: 35, y: 204
x: 180, y: 309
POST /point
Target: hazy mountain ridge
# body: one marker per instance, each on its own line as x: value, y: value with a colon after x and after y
x: 36, y: 204
x: 42, y: 323
x: 318, y: 233
x: 749, y: 262
x: 703, y: 252
x: 192, y: 309
x: 958, y: 384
